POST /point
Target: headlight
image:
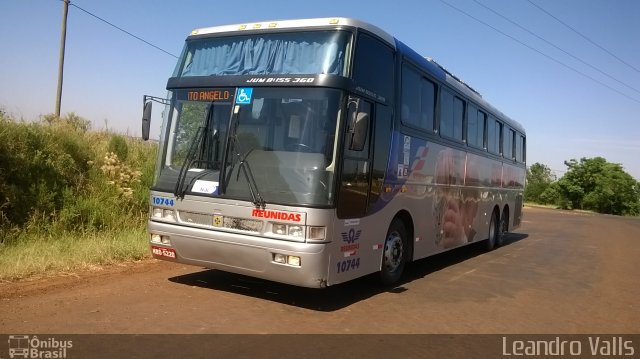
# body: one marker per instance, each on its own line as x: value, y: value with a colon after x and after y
x: 156, y: 238
x: 279, y: 229
x: 293, y: 261
x: 279, y: 258
x: 296, y: 231
x: 163, y: 213
x: 168, y: 214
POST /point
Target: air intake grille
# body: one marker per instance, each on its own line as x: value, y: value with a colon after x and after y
x: 207, y: 220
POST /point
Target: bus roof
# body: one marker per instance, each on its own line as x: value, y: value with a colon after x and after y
x: 428, y: 64
x: 299, y: 24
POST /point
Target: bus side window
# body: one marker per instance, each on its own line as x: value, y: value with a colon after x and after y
x: 520, y: 148
x: 482, y: 125
x: 507, y: 145
x: 451, y: 115
x: 476, y: 123
x: 418, y: 100
x: 494, y: 136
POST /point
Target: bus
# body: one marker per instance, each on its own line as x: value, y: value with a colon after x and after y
x: 312, y: 152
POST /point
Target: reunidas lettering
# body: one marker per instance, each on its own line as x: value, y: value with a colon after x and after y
x: 283, y: 216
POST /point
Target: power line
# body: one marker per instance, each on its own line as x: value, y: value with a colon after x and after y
x: 555, y: 46
x: 540, y: 52
x: 583, y: 36
x: 121, y: 29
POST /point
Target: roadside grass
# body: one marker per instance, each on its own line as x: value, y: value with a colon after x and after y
x: 71, y: 198
x: 533, y: 204
x: 552, y: 206
x: 35, y: 254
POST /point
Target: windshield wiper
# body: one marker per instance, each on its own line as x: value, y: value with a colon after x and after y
x: 243, y: 165
x: 200, y: 141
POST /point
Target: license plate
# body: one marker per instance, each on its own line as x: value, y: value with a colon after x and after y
x: 163, y: 252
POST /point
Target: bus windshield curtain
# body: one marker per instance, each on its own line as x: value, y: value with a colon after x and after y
x: 299, y: 53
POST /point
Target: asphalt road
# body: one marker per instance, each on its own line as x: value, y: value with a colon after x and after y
x: 561, y: 272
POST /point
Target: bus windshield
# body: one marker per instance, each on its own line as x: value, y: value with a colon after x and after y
x: 286, y: 138
x: 317, y: 52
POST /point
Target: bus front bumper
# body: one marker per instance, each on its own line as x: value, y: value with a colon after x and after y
x: 242, y: 254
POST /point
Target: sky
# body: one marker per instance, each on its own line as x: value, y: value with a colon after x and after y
x: 569, y: 111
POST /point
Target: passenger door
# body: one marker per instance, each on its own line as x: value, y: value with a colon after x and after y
x: 354, y: 182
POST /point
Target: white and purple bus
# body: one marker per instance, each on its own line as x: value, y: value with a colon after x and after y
x: 312, y: 152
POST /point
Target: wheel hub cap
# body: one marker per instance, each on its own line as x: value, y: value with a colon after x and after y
x: 393, y: 252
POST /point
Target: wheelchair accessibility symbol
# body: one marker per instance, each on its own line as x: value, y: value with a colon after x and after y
x: 244, y: 96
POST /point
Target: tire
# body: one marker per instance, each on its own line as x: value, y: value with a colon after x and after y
x: 494, y: 232
x: 394, y: 254
x: 503, y: 226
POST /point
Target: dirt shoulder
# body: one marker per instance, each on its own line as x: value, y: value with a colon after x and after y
x: 42, y: 284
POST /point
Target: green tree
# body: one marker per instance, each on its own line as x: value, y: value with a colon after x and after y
x: 539, y: 178
x: 598, y: 185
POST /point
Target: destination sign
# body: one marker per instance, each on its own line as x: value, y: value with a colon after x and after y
x: 207, y: 95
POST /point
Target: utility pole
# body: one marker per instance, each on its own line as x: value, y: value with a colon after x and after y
x: 63, y: 38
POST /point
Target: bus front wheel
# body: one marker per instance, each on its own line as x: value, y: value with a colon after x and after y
x: 394, y: 256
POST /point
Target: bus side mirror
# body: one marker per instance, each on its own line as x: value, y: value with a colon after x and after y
x: 360, y: 128
x: 146, y: 120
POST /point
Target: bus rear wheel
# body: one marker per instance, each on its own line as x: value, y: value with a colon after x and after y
x: 503, y: 227
x: 494, y: 232
x: 394, y: 256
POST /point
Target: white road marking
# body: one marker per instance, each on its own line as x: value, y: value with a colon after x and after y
x: 461, y: 275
